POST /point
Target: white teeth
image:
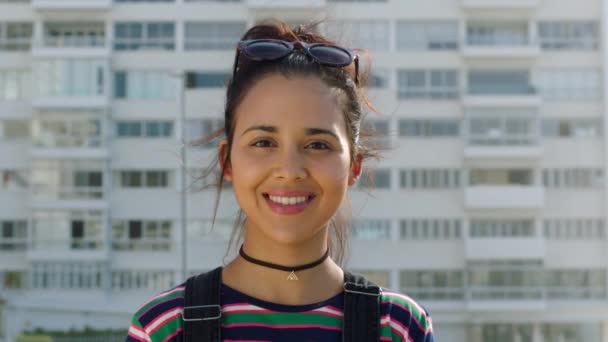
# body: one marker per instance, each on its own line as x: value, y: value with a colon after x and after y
x: 287, y: 200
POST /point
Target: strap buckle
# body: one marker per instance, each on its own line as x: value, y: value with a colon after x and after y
x: 216, y: 316
x: 373, y: 291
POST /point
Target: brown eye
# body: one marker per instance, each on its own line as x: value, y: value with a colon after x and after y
x: 319, y: 145
x: 262, y: 143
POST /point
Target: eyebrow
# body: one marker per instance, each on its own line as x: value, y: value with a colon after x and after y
x: 273, y: 129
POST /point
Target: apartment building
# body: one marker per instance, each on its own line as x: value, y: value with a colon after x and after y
x: 490, y: 208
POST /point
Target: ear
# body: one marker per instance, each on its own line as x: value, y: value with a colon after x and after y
x: 355, y: 169
x: 223, y: 150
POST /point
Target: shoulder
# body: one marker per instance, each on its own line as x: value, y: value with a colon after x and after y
x: 405, y: 317
x: 159, y: 318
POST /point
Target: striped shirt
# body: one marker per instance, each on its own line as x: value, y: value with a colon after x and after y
x: 247, y: 319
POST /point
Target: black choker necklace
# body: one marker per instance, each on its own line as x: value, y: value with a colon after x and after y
x: 292, y: 269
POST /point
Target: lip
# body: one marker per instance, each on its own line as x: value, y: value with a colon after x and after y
x: 289, y: 209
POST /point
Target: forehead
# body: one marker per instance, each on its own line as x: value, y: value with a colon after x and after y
x: 290, y: 103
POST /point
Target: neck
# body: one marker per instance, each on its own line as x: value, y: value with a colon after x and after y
x: 313, y: 284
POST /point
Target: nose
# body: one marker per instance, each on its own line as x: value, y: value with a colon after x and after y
x: 290, y: 165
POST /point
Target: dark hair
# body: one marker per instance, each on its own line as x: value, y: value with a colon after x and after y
x: 296, y: 64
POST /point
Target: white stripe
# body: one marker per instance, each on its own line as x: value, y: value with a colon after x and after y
x: 328, y: 310
x: 243, y: 307
x: 138, y: 333
x: 399, y: 328
x: 408, y: 299
x: 177, y: 289
x: 161, y: 319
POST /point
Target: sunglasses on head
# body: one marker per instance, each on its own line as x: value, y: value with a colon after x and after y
x: 273, y: 49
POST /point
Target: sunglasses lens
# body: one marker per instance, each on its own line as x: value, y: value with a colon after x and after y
x: 265, y: 50
x: 331, y: 55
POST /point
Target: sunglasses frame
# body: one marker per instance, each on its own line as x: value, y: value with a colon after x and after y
x: 306, y: 47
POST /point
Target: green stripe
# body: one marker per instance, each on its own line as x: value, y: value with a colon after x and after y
x: 158, y: 300
x: 167, y: 329
x: 283, y: 319
x: 419, y: 315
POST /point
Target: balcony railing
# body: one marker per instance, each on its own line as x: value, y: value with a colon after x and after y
x: 497, y: 41
x: 563, y: 292
x: 502, y: 89
x: 70, y: 244
x: 499, y: 138
x: 435, y: 293
x: 75, y: 42
x: 13, y: 244
x: 126, y: 44
x: 46, y: 192
x: 507, y: 293
x: 15, y: 44
x: 144, y: 244
x: 67, y: 141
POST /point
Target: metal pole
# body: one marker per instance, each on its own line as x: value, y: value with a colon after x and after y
x: 183, y: 198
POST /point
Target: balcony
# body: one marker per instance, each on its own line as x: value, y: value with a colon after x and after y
x: 49, y: 146
x: 500, y: 4
x: 506, y: 298
x: 68, y: 197
x: 71, y: 5
x: 504, y: 197
x: 485, y: 248
x: 286, y: 4
x: 502, y: 95
x: 71, y: 46
x: 480, y: 46
x: 15, y: 44
x: 497, y: 144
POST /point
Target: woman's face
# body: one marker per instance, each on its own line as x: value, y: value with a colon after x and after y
x: 290, y: 161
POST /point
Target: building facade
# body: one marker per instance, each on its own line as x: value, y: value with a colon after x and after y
x: 490, y: 207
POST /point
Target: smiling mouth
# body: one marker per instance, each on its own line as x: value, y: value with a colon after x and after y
x: 288, y: 205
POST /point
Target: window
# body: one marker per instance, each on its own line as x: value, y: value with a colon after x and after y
x: 573, y: 35
x: 377, y: 178
x: 434, y: 35
x: 70, y: 77
x: 434, y: 128
x: 141, y: 280
x: 571, y: 332
x: 67, y: 131
x: 68, y: 275
x: 367, y: 34
x: 497, y: 228
x: 144, y: 85
x: 414, y: 229
x: 506, y: 332
x: 144, y: 36
x: 213, y: 35
x: 380, y: 278
x: 142, y: 235
x: 13, y: 180
x: 504, y: 177
x: 67, y: 179
x: 147, y: 129
x: 505, y: 279
x: 197, y: 129
x: 14, y: 130
x: 433, y: 285
x: 13, y: 280
x: 497, y: 33
x: 573, y: 128
x: 430, y: 179
x: 570, y: 85
x: 74, y: 34
x: 144, y: 179
x: 15, y: 85
x: 573, y: 178
x: 206, y: 79
x: 379, y: 78
x: 16, y: 36
x: 498, y: 127
x: 143, y: 1
x: 592, y: 229
x: 13, y: 235
x: 576, y: 284
x: 428, y: 84
x: 372, y: 229
x: 500, y: 82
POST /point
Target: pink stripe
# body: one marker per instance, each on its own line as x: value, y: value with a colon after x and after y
x: 247, y: 311
x: 172, y: 335
x: 235, y: 304
x: 334, y: 308
x: 284, y: 326
x: 325, y: 313
x: 408, y: 310
x: 177, y: 289
x: 162, y: 323
x: 384, y: 338
x: 399, y: 333
x: 153, y: 306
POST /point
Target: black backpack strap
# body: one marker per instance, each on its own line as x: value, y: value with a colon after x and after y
x: 202, y: 310
x: 361, y: 309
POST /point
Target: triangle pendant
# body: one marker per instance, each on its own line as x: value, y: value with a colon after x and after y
x: 292, y: 276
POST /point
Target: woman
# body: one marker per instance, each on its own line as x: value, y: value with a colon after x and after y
x: 292, y: 148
